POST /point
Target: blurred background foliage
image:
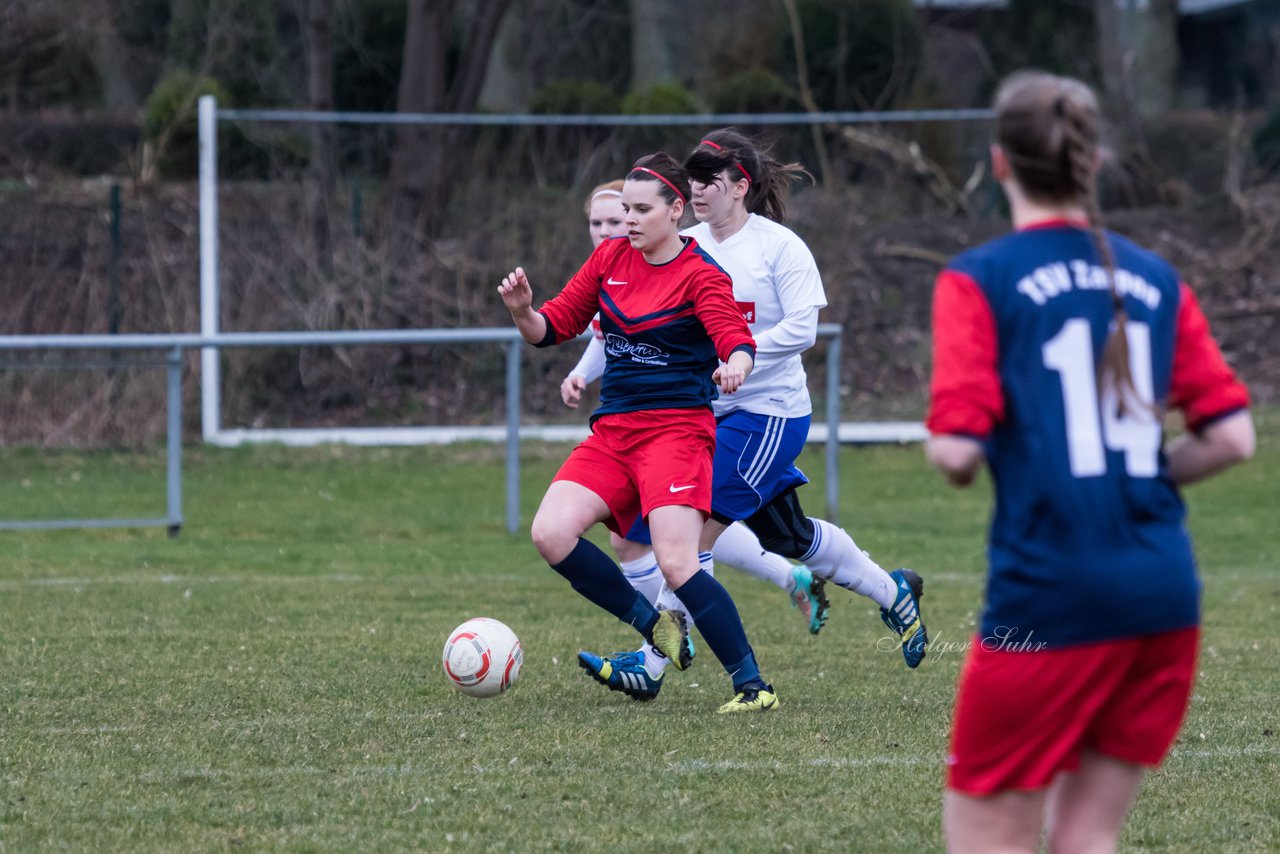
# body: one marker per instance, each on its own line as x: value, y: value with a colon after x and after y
x: 365, y: 226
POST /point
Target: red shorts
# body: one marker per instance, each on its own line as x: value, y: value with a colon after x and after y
x: 1021, y: 717
x: 637, y: 461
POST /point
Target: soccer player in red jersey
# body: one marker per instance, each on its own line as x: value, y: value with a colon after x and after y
x: 672, y: 333
x: 737, y: 546
x: 1057, y: 349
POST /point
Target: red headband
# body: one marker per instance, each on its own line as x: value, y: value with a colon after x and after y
x: 679, y: 195
x: 735, y: 163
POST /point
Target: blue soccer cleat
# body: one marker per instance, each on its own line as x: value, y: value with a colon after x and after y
x: 904, y: 617
x: 623, y: 671
x: 810, y: 596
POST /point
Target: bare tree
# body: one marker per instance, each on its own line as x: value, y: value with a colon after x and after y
x: 424, y: 157
x: 320, y: 94
x: 109, y: 57
x: 661, y: 42
x: 1138, y: 57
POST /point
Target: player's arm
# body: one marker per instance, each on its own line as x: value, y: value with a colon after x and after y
x: 560, y: 318
x: 589, y: 369
x: 719, y: 314
x: 1220, y: 430
x: 517, y: 296
x: 733, y: 373
x: 965, y: 397
x: 1220, y: 445
x: 800, y: 293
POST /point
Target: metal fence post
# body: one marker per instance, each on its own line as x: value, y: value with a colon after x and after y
x: 513, y: 436
x: 833, y: 426
x: 174, y: 439
x: 210, y: 364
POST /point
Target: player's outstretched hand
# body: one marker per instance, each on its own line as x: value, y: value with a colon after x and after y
x: 571, y: 390
x: 729, y: 378
x: 730, y: 375
x: 515, y: 291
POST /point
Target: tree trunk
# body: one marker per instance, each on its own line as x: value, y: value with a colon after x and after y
x: 425, y: 156
x: 319, y: 196
x: 1138, y: 56
x: 661, y: 43
x: 110, y: 59
x: 506, y: 82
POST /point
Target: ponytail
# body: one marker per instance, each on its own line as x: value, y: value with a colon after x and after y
x: 1049, y: 127
x: 768, y: 181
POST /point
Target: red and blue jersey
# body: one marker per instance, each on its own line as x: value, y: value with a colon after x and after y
x: 1087, y: 539
x: 665, y: 327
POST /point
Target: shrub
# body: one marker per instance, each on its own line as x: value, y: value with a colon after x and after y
x: 169, y: 123
x: 754, y: 91
x: 574, y: 97
x: 662, y: 99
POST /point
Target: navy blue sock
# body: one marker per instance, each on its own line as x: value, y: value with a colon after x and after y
x: 593, y: 573
x: 716, y: 617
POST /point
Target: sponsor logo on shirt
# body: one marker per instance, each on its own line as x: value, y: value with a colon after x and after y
x: 645, y: 354
x: 748, y: 310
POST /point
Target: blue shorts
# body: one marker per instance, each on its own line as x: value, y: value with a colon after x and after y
x: 755, y: 461
x: 754, y: 464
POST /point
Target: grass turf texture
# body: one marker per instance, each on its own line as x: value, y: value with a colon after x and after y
x: 271, y: 679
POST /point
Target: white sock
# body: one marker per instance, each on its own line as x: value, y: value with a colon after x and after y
x: 643, y: 574
x: 655, y: 662
x: 837, y: 558
x: 739, y: 547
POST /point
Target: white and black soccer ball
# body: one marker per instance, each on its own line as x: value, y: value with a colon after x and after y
x: 482, y: 657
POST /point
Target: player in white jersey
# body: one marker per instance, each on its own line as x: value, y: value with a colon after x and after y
x: 739, y: 195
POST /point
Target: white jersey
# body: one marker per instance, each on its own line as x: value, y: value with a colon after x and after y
x: 777, y: 285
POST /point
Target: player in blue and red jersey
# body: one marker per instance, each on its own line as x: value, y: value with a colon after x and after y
x: 739, y: 199
x: 672, y: 333
x: 737, y: 547
x: 1057, y: 348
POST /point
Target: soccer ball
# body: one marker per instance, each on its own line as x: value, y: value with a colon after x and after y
x: 482, y: 657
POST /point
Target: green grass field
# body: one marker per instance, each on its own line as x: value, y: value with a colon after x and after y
x: 271, y: 678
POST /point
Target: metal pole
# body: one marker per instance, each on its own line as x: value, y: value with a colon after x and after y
x: 174, y: 449
x: 210, y: 378
x: 513, y: 436
x: 113, y: 265
x: 833, y: 427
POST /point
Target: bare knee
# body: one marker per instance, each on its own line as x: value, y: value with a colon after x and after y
x: 1008, y: 822
x: 1087, y: 808
x: 553, y: 540
x: 677, y: 570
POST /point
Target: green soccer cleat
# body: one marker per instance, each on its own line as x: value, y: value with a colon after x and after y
x: 670, y: 637
x: 810, y: 596
x: 752, y: 699
x: 904, y: 617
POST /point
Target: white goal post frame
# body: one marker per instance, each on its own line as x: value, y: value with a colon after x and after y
x: 208, y: 116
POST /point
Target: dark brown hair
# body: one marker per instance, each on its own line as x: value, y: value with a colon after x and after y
x: 1050, y: 128
x: 770, y: 181
x: 672, y: 180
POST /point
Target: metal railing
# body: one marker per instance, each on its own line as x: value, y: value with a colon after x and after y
x: 175, y: 344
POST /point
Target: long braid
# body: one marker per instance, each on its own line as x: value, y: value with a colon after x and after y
x: 1049, y: 128
x: 1080, y: 149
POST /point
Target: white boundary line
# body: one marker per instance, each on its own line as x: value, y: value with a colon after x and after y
x: 690, y: 766
x: 850, y: 432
